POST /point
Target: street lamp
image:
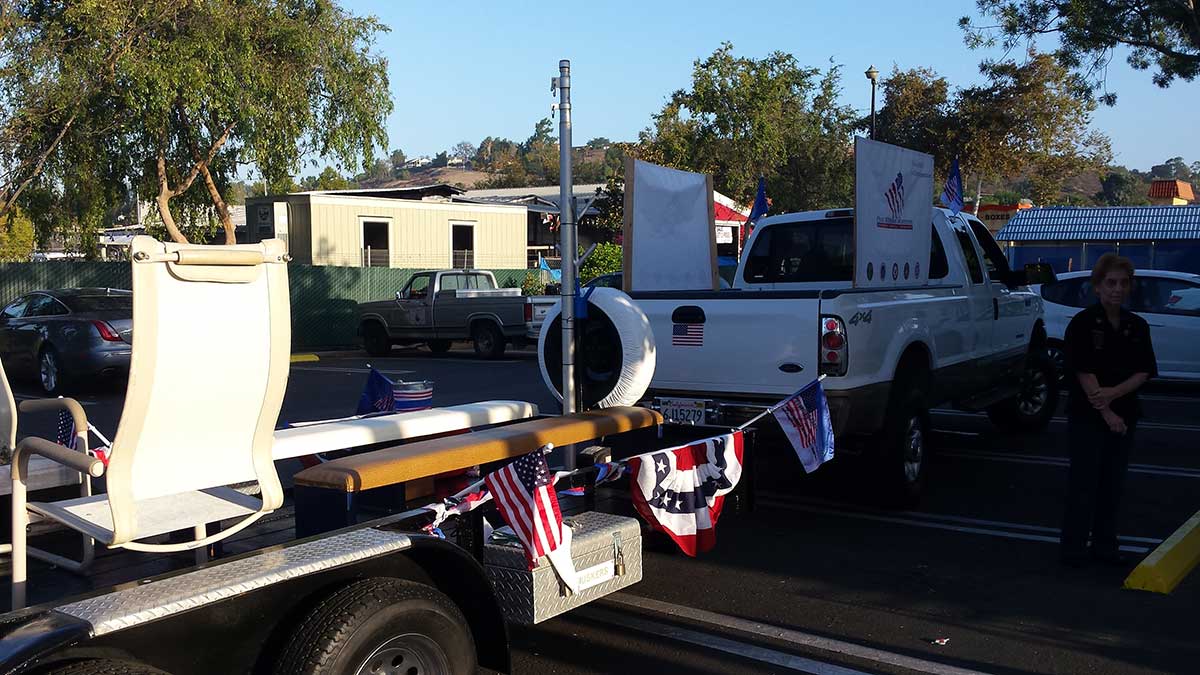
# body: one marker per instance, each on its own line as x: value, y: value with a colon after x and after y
x: 873, y: 76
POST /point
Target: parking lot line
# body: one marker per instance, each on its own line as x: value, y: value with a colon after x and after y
x: 1019, y: 458
x: 1163, y: 569
x: 934, y: 524
x: 724, y: 623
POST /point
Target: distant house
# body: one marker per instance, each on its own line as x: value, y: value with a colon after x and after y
x: 414, y: 227
x: 1171, y: 192
x: 1072, y: 238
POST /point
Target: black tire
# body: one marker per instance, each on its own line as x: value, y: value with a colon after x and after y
x: 105, y: 667
x: 52, y: 376
x: 375, y: 340
x: 439, y: 346
x: 1031, y: 410
x: 1056, y: 352
x: 905, y: 440
x: 412, y: 627
x: 489, y: 341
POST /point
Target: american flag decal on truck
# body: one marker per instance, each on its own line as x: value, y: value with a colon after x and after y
x: 687, y: 335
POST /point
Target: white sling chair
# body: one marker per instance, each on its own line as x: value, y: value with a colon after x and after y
x: 48, y: 473
x: 211, y: 351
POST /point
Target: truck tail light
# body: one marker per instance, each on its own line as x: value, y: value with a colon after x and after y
x: 106, y: 332
x: 833, y: 346
x: 528, y: 312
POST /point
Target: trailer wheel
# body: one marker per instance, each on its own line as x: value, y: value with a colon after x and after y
x: 105, y: 667
x: 378, y: 626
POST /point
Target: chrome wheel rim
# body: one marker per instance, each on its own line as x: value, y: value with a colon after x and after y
x: 409, y: 654
x: 48, y: 370
x: 1059, y: 359
x: 1034, y: 393
x: 914, y: 450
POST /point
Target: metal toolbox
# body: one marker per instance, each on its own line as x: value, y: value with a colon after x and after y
x: 607, y: 551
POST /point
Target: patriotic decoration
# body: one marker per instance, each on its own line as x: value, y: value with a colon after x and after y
x: 952, y: 193
x: 758, y: 209
x: 680, y: 491
x: 805, y: 420
x: 895, y: 197
x: 410, y: 396
x: 66, y: 430
x: 524, y: 494
x: 457, y: 505
x: 687, y: 335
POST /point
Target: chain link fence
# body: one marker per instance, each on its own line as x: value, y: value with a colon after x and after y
x: 324, y: 299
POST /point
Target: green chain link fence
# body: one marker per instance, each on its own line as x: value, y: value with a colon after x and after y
x: 323, y: 298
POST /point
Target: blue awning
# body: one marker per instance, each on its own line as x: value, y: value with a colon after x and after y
x: 1113, y: 223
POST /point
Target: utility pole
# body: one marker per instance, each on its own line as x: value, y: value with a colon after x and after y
x: 566, y: 233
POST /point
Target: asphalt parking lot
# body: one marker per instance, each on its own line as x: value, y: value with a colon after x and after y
x: 819, y: 578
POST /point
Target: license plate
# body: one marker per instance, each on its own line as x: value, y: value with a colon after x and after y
x: 682, y: 410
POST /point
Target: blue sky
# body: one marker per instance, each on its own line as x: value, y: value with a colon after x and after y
x: 466, y: 70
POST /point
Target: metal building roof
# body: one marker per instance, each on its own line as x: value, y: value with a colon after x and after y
x: 1112, y: 223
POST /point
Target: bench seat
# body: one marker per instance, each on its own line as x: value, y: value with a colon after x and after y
x: 390, y: 466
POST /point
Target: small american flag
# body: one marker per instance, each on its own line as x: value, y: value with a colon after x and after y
x: 66, y: 430
x: 524, y: 493
x: 687, y: 335
x: 804, y: 418
x: 895, y: 196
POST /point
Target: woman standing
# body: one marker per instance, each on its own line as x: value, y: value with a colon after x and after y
x: 1108, y: 357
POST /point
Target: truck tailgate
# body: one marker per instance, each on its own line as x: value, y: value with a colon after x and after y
x: 755, y: 343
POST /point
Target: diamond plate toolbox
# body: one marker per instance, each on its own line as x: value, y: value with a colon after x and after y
x: 607, y: 551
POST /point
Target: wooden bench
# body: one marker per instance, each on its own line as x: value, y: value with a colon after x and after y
x: 327, y: 496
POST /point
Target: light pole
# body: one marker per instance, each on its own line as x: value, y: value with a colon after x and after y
x: 873, y: 76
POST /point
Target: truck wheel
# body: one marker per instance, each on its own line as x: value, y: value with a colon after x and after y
x: 905, y: 440
x: 1031, y: 410
x: 489, y: 342
x: 380, y: 626
x: 439, y: 346
x: 1056, y: 351
x: 375, y: 340
x: 105, y: 667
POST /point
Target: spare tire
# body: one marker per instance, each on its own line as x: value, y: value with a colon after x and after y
x: 614, y: 358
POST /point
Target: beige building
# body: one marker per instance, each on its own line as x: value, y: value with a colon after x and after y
x: 414, y: 228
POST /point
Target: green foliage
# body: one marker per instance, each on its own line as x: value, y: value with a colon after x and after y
x: 329, y: 179
x: 600, y: 142
x: 1163, y: 35
x: 743, y: 118
x: 533, y: 284
x: 439, y: 160
x: 16, y: 236
x: 1121, y: 188
x: 605, y: 259
x: 1172, y: 168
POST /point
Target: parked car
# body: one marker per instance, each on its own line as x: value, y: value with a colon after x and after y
x: 1168, y: 301
x: 63, y: 337
x: 438, y: 307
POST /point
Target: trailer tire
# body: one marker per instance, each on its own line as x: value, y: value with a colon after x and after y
x: 105, y: 667
x: 405, y: 626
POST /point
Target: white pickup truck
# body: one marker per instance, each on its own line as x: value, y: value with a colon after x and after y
x: 973, y: 336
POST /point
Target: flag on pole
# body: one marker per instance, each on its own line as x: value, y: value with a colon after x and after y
x: 524, y: 494
x: 952, y: 194
x: 804, y: 417
x: 377, y: 394
x: 758, y: 209
x: 680, y: 491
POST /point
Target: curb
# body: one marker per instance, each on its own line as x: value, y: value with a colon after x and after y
x: 1168, y: 564
x: 305, y: 358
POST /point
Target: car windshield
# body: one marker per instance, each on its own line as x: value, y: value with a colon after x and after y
x: 100, y: 303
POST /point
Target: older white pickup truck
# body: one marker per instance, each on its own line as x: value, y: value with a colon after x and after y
x: 973, y: 336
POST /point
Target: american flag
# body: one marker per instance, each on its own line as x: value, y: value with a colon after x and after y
x: 524, y: 493
x: 804, y: 418
x: 66, y: 430
x: 687, y: 335
x: 895, y: 197
x: 952, y: 193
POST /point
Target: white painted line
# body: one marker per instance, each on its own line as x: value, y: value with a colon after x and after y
x: 717, y: 643
x: 991, y: 532
x: 795, y: 637
x: 328, y: 369
x: 1157, y: 426
x: 1018, y: 458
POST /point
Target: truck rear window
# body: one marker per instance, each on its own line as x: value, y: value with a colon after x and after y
x: 815, y: 250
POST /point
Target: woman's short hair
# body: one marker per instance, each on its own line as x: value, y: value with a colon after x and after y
x: 1111, y: 262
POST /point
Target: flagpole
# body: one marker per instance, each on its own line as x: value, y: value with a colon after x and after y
x: 777, y: 406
